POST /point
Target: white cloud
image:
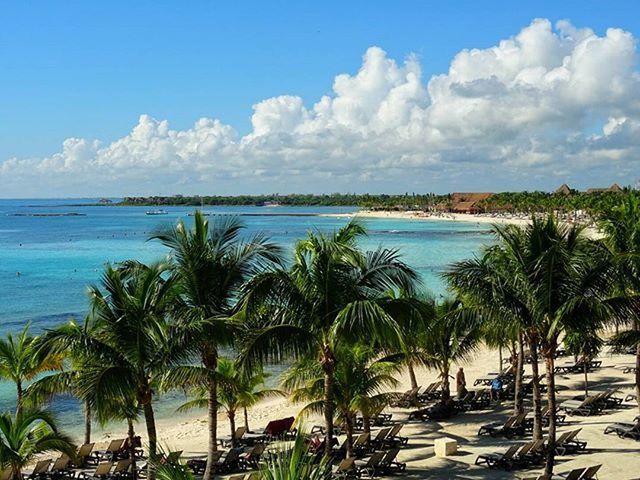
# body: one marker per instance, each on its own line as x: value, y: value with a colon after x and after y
x: 521, y: 111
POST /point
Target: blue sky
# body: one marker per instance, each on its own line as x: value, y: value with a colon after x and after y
x: 90, y: 69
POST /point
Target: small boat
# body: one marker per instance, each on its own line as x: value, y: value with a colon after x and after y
x: 156, y: 212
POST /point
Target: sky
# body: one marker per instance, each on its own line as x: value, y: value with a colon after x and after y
x: 154, y: 97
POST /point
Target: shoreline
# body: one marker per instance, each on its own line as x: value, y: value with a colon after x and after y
x: 484, y: 219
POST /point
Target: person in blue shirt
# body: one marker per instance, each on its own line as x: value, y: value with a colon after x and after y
x: 496, y: 389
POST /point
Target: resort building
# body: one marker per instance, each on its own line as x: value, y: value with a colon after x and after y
x: 468, y: 202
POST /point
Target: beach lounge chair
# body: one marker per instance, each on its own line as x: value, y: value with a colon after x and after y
x: 521, y: 458
x: 372, y: 467
x: 122, y: 468
x: 60, y: 468
x: 394, y: 438
x: 101, y: 472
x: 109, y: 453
x: 198, y: 465
x: 231, y: 462
x: 239, y: 433
x: 631, y: 397
x: 575, y: 474
x: 377, y: 442
x: 389, y: 463
x: 480, y: 401
x: 624, y: 430
x: 568, y: 443
x: 83, y: 455
x: 362, y: 444
x: 346, y: 468
x: 407, y: 399
x: 498, y: 460
x: 251, y: 458
x: 584, y: 407
x: 39, y: 471
x: 591, y: 472
x: 512, y: 427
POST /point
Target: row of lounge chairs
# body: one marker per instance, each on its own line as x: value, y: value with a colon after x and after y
x: 532, y: 453
x: 584, y: 473
x: 592, y: 405
x: 578, y: 367
x: 379, y: 463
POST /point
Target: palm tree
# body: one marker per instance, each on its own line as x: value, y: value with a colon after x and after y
x: 294, y: 464
x: 362, y: 379
x: 551, y: 278
x: 67, y: 381
x: 127, y: 339
x: 211, y: 265
x: 585, y: 345
x: 621, y: 226
x: 27, y: 434
x: 22, y: 359
x: 235, y: 390
x: 333, y: 294
x: 450, y: 338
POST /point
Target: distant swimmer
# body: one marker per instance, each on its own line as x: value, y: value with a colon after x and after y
x: 18, y: 274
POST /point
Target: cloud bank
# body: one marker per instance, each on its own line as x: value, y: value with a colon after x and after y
x: 550, y: 104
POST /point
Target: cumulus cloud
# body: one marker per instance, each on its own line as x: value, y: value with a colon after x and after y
x: 548, y: 104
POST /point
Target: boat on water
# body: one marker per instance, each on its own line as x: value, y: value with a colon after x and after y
x: 156, y: 212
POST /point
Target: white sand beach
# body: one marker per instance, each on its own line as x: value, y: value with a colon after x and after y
x: 485, y: 219
x: 619, y: 457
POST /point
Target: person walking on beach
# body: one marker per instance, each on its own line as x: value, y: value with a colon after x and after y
x: 461, y: 383
x: 496, y: 388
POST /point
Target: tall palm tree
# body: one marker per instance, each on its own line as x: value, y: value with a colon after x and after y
x: 552, y: 279
x: 27, y: 434
x: 621, y: 226
x: 236, y: 390
x: 333, y: 294
x: 211, y: 264
x: 127, y: 339
x: 450, y: 338
x: 585, y: 345
x: 22, y: 359
x: 362, y: 380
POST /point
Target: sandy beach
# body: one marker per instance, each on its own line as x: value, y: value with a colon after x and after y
x: 478, y: 219
x: 614, y: 453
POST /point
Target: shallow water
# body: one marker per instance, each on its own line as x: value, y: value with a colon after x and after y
x: 47, y: 262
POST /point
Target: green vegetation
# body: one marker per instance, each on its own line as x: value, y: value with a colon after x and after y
x: 347, y: 321
x: 518, y: 202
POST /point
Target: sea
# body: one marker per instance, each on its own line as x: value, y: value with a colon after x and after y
x: 52, y: 249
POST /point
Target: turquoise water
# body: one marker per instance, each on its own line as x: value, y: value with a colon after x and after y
x: 47, y: 262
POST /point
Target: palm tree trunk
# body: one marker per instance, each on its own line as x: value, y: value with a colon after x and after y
x: 150, y: 420
x: 209, y: 471
x: 328, y: 365
x: 638, y: 375
x: 518, y: 401
x: 586, y: 378
x: 131, y: 434
x: 232, y: 424
x: 19, y: 395
x: 366, y: 422
x: 349, y: 424
x: 246, y: 418
x: 536, y: 394
x: 551, y: 399
x: 412, y: 376
x: 446, y: 389
x: 87, y: 422
x: 500, y: 357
